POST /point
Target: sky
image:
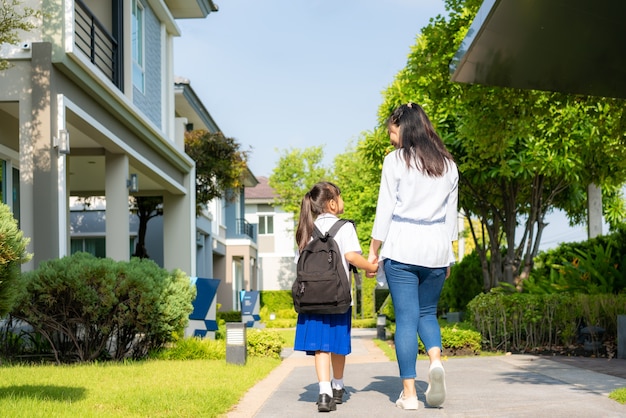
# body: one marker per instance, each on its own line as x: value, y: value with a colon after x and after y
x: 277, y: 75
x: 291, y: 74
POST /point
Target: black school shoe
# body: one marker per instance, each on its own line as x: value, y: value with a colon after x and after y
x: 338, y: 395
x: 325, y: 403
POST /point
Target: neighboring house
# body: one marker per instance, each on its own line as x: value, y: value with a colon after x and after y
x: 87, y: 104
x: 276, y: 229
x: 225, y: 243
x: 226, y: 246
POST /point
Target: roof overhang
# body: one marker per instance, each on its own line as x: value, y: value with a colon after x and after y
x: 191, y: 9
x: 188, y: 105
x: 571, y: 46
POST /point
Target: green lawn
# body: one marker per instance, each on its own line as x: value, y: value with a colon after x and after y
x: 191, y: 388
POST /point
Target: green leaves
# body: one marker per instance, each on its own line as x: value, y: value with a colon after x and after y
x: 220, y: 164
x: 297, y: 171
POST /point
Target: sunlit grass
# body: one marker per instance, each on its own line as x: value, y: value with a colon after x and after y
x: 190, y: 388
x: 619, y: 395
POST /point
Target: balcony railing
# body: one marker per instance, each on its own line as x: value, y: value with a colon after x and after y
x: 244, y: 228
x: 95, y: 41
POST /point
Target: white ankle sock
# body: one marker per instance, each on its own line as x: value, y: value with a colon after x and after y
x: 326, y: 388
x: 337, y: 383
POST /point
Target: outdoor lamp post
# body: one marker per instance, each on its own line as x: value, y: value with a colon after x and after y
x: 236, y: 343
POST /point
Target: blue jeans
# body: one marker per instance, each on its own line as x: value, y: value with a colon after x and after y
x: 415, y: 292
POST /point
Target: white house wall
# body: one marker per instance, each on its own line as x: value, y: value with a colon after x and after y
x: 52, y: 87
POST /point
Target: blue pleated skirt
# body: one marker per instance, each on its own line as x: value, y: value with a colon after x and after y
x: 329, y: 333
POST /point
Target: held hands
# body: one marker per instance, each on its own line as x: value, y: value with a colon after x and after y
x: 373, y: 259
x: 371, y: 269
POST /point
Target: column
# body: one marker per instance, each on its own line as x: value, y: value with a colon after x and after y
x: 117, y: 207
x: 179, y: 228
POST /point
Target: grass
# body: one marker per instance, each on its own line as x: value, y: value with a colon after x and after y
x: 619, y: 395
x: 288, y: 336
x: 190, y: 388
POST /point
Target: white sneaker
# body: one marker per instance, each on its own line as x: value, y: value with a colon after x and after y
x: 436, y: 392
x: 407, y: 403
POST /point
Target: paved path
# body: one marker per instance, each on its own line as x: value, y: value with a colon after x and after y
x: 495, y: 386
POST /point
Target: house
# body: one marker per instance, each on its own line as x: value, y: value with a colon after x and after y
x: 86, y: 106
x: 225, y: 243
x: 226, y: 247
x: 276, y: 237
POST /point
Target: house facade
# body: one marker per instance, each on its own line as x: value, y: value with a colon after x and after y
x: 276, y: 237
x: 87, y: 109
x: 226, y: 247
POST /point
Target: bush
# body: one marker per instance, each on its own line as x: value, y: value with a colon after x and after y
x: 522, y: 321
x: 276, y: 300
x: 193, y: 348
x: 12, y: 255
x: 464, y: 283
x: 91, y: 308
x: 461, y: 340
x: 229, y: 316
x: 594, y: 266
x: 264, y: 343
x: 260, y: 343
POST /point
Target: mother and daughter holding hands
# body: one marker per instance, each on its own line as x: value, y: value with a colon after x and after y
x: 411, y: 241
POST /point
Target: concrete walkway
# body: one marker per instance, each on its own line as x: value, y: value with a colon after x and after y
x: 498, y: 386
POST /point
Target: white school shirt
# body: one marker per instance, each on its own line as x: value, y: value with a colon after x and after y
x: 416, y: 215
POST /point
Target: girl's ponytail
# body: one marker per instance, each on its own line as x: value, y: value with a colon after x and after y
x: 305, y: 223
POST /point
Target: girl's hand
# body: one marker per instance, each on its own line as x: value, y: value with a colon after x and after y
x: 372, y: 270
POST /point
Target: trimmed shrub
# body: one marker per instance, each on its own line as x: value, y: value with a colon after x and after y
x: 12, y: 255
x: 522, y: 321
x: 91, y: 308
x: 264, y: 343
x: 229, y: 316
x: 193, y: 348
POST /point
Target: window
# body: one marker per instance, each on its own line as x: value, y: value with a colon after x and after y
x: 93, y: 246
x: 138, y: 45
x: 266, y: 224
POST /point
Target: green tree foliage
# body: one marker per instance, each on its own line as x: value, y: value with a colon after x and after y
x: 521, y: 153
x: 294, y: 175
x: 13, y: 20
x: 220, y: 164
x: 89, y: 308
x: 12, y: 254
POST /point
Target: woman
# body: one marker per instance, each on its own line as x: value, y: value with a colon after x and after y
x: 415, y: 224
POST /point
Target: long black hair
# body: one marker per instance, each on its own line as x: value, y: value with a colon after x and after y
x: 418, y: 140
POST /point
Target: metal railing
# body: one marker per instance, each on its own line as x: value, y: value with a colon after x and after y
x: 244, y: 228
x: 95, y: 41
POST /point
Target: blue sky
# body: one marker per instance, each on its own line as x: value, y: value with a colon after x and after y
x: 288, y: 74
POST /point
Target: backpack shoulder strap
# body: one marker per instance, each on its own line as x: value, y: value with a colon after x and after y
x: 316, y: 232
x: 333, y: 229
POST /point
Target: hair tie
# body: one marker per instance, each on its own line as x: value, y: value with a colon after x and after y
x: 409, y: 105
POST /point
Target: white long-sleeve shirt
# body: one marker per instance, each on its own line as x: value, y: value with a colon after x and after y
x: 416, y: 215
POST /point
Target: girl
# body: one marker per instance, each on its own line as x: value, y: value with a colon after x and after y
x: 416, y: 218
x: 328, y: 336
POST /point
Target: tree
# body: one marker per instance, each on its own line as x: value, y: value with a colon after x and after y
x: 520, y: 153
x: 12, y: 21
x: 294, y: 175
x: 146, y: 208
x: 220, y: 166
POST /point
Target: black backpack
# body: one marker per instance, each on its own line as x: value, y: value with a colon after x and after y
x: 322, y: 286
